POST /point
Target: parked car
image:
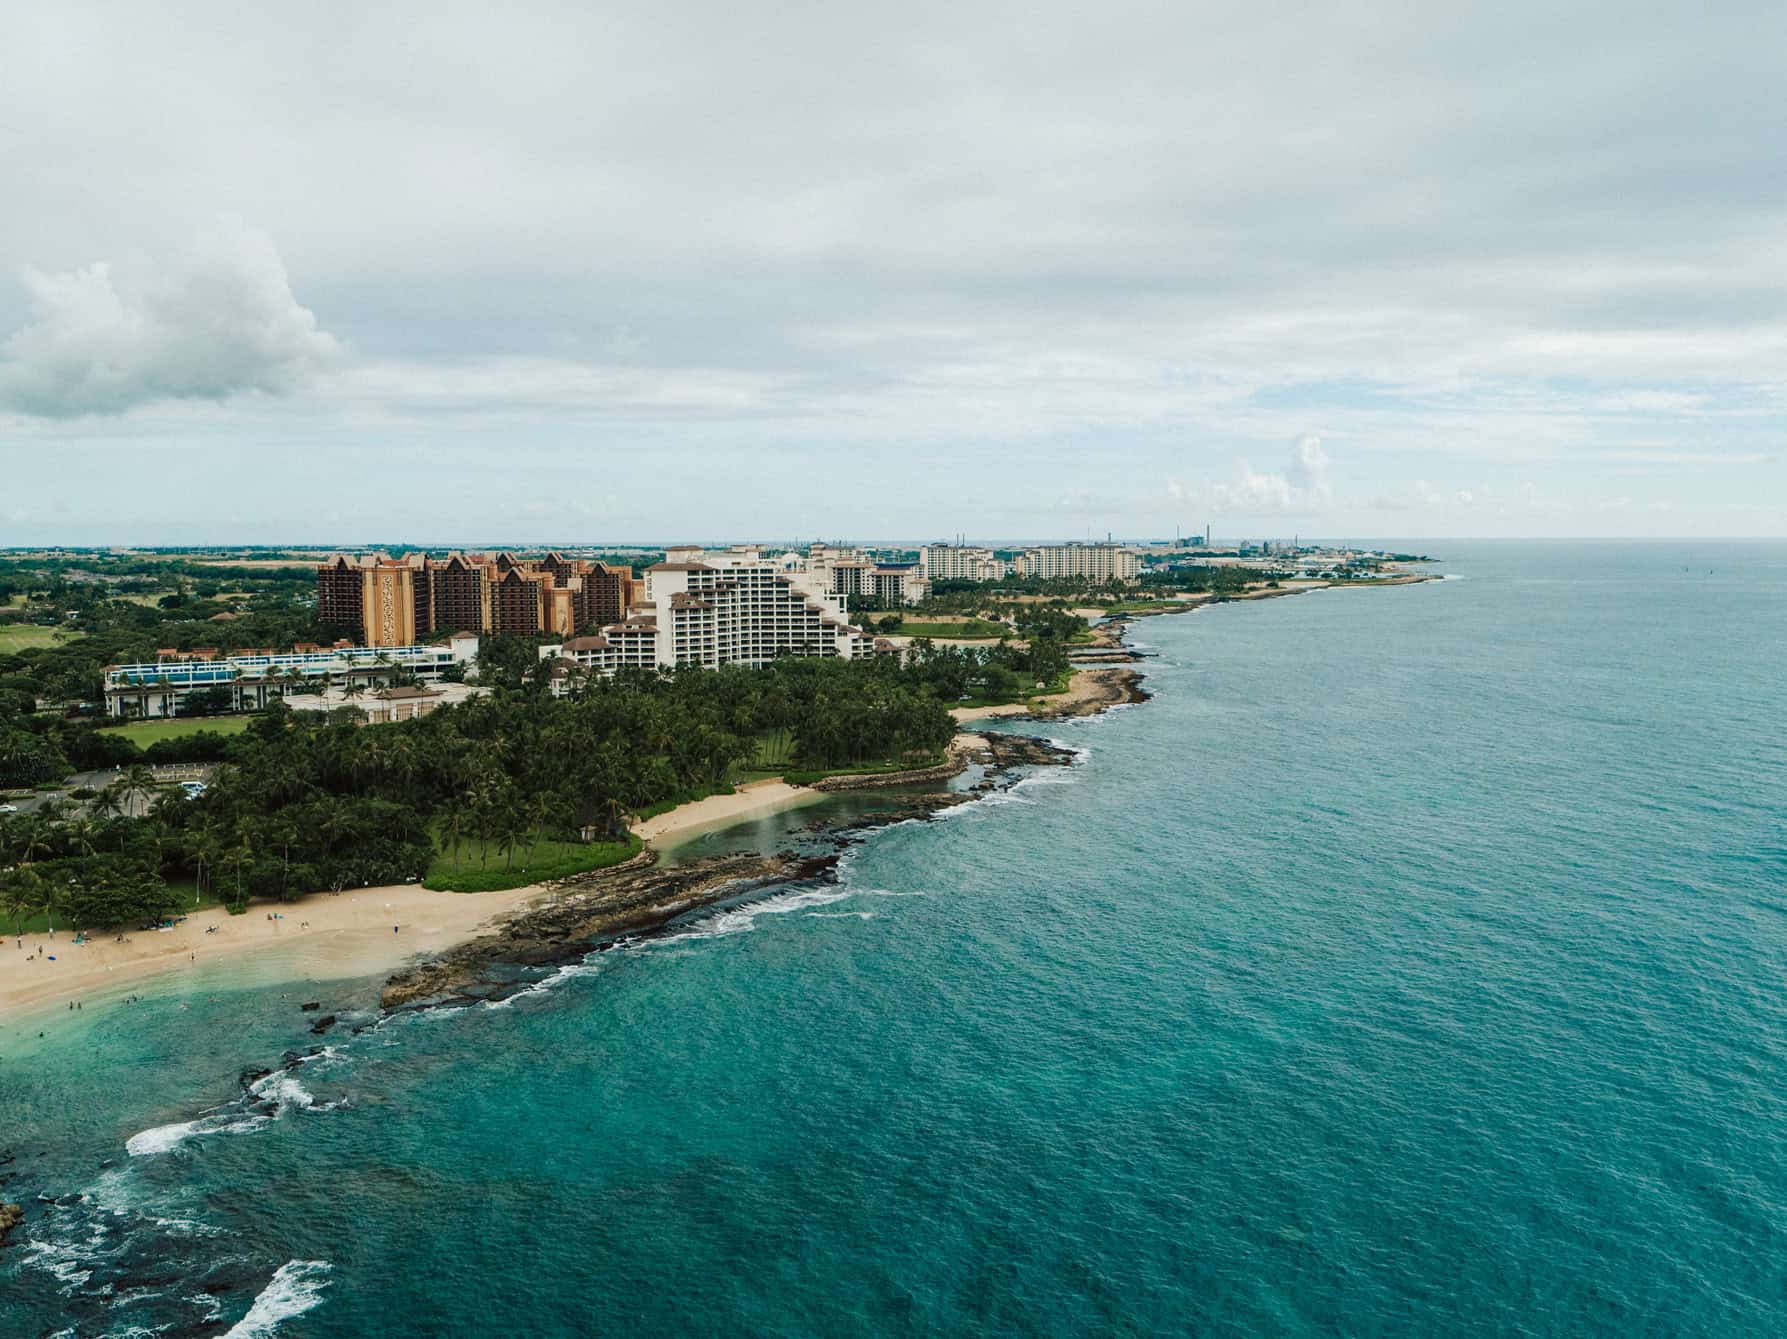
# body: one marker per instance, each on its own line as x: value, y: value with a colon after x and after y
x: 9, y: 808
x: 193, y: 789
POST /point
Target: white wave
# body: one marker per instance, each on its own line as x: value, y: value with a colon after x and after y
x: 166, y: 1138
x: 890, y: 892
x: 296, y: 1287
x: 1080, y: 752
x: 737, y: 920
x: 588, y: 966
x: 1054, y: 776
x: 843, y: 915
x: 66, y: 1263
x: 285, y: 1090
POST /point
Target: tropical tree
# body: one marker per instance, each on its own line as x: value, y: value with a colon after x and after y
x: 136, y: 783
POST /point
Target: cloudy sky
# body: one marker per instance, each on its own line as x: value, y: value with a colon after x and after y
x: 644, y: 270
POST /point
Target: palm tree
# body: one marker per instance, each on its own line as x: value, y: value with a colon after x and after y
x: 23, y: 892
x: 109, y: 803
x: 452, y: 828
x: 540, y: 814
x: 80, y: 836
x: 240, y: 856
x: 35, y: 839
x: 52, y: 896
x: 137, y: 781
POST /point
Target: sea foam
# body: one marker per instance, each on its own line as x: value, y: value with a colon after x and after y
x: 296, y: 1287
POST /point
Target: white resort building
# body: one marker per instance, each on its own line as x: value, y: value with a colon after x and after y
x: 723, y: 607
x: 851, y: 573
x: 252, y: 681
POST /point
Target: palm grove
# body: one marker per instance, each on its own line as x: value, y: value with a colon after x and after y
x: 312, y: 801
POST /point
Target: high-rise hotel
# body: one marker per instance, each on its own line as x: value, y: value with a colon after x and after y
x: 724, y: 607
x: 383, y: 601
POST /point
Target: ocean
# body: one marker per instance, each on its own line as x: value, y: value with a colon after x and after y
x: 1413, y: 963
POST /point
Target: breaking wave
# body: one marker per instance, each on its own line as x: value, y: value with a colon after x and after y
x: 296, y: 1287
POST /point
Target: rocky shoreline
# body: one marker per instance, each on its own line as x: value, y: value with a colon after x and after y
x: 870, y: 780
x: 595, y: 910
x: 584, y: 912
x: 1107, y: 688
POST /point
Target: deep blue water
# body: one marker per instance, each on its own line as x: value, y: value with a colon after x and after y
x: 1413, y: 963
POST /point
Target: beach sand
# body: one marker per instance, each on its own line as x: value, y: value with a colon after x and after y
x: 751, y: 800
x: 337, y: 936
x: 326, y: 935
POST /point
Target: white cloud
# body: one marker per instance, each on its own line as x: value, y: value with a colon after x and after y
x: 223, y: 323
x: 1301, y: 485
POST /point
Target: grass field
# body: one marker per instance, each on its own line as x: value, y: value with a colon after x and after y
x: 22, y: 636
x: 974, y: 629
x: 145, y: 733
x: 477, y: 868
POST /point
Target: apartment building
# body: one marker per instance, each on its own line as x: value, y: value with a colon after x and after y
x: 1088, y: 562
x: 385, y: 601
x: 848, y: 574
x: 959, y: 562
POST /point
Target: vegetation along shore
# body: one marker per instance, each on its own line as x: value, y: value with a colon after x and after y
x: 310, y: 829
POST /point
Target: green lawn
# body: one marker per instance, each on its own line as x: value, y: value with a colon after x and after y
x: 145, y: 733
x: 1029, y: 696
x: 15, y: 637
x: 476, y: 868
x: 975, y: 629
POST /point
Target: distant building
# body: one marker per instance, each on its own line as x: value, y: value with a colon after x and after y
x: 957, y: 562
x: 848, y: 573
x: 1088, y: 562
x: 403, y: 703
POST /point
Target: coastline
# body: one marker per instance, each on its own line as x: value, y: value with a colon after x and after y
x: 325, y: 935
x: 751, y: 800
x: 344, y: 935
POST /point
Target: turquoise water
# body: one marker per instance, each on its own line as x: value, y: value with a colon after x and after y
x: 1413, y: 963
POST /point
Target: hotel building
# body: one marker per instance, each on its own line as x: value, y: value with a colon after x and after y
x: 385, y: 601
x: 723, y: 607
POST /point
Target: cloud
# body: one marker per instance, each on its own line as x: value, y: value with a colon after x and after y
x: 1473, y: 245
x: 225, y: 322
x: 1301, y: 485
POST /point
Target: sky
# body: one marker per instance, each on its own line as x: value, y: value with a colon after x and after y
x: 637, y: 272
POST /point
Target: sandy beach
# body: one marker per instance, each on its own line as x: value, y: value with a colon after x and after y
x: 325, y: 935
x: 349, y: 934
x: 750, y: 800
